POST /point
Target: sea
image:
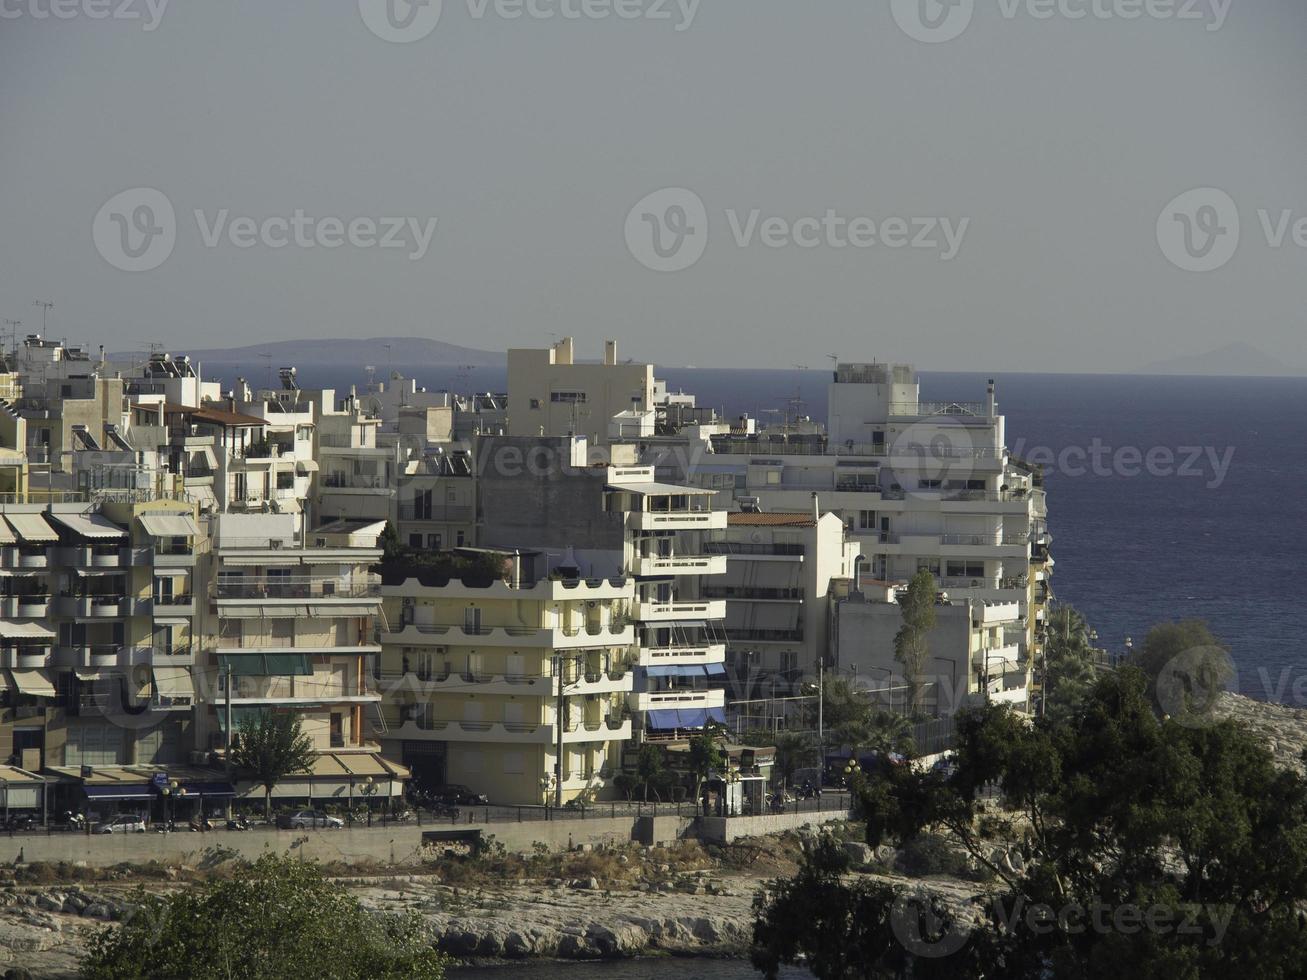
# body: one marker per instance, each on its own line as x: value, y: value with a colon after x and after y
x: 648, y: 969
x: 1169, y: 497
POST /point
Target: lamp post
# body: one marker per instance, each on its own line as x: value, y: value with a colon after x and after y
x: 369, y: 788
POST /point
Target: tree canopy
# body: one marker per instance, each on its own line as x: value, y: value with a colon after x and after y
x: 917, y: 608
x: 1148, y: 847
x: 271, y: 747
x: 273, y: 919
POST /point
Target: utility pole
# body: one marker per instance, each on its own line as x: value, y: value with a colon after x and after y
x: 559, y: 722
x: 226, y: 736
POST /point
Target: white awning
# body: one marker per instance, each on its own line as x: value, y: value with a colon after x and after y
x: 203, y: 495
x: 32, y: 528
x: 7, y: 535
x: 174, y: 682
x: 305, y: 466
x: 87, y: 674
x: 26, y: 631
x: 37, y: 683
x: 94, y: 527
x: 262, y: 612
x: 328, y: 612
x: 288, y: 505
x: 659, y: 489
x: 169, y: 525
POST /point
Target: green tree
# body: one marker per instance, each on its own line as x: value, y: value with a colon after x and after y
x: 273, y: 919
x: 794, y: 751
x: 1122, y: 810
x: 269, y: 748
x: 917, y: 607
x: 650, y: 769
x: 1186, y: 666
x: 705, y: 756
x: 1069, y: 674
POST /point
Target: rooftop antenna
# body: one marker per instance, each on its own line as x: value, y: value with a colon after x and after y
x: 267, y: 358
x: 13, y: 326
x: 46, y: 306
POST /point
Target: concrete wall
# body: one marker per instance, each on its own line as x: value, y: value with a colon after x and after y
x: 396, y: 844
x: 721, y: 830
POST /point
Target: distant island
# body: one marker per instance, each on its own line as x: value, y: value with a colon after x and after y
x: 1238, y: 360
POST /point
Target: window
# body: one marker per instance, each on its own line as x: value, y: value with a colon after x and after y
x: 285, y: 480
x: 460, y: 540
x: 415, y: 540
x: 94, y: 745
x: 568, y: 397
x: 535, y: 404
x: 929, y: 565
x: 867, y: 520
x: 929, y: 484
x: 966, y: 569
x: 433, y: 541
x: 282, y: 632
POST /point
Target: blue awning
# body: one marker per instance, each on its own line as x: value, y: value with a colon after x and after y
x: 717, y: 715
x: 688, y: 670
x: 664, y: 720
x: 693, y: 717
x: 140, y: 791
x: 716, y: 670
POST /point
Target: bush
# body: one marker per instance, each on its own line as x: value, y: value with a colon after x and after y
x: 275, y: 918
x: 930, y: 854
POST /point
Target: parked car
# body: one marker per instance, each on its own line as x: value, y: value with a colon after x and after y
x: 456, y: 794
x: 304, y: 819
x: 124, y: 823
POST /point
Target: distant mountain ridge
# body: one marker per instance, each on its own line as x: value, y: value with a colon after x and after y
x: 1239, y: 360
x: 348, y: 352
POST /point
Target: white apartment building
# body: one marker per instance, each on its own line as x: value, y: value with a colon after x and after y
x: 551, y: 394
x: 975, y: 653
x: 293, y: 629
x: 918, y: 485
x: 778, y: 586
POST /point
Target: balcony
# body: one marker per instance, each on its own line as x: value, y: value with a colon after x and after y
x: 28, y: 656
x: 505, y: 733
x: 739, y: 592
x: 677, y: 520
x: 173, y: 557
x: 100, y: 656
x: 680, y: 565
x: 686, y: 698
x: 316, y: 588
x: 658, y: 611
x: 182, y: 604
x: 763, y: 552
x: 512, y: 636
x: 687, y: 654
x: 94, y: 606
x: 304, y: 691
x: 33, y: 605
x: 739, y: 636
x: 33, y: 558
x: 103, y: 556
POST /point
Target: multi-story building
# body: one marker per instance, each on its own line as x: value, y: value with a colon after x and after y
x: 918, y: 485
x: 96, y: 616
x: 292, y: 630
x: 551, y: 394
x: 778, y: 591
x: 974, y: 654
x: 506, y: 672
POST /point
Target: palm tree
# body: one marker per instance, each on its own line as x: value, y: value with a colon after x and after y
x: 270, y: 748
x: 794, y: 751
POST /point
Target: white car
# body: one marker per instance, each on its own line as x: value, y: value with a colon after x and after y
x: 124, y: 823
x: 302, y: 819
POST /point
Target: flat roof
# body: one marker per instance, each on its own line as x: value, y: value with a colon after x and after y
x: 658, y: 489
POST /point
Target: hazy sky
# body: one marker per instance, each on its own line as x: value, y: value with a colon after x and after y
x: 1048, y: 146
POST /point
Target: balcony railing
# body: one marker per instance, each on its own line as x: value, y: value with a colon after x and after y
x: 740, y: 592
x: 741, y: 548
x: 293, y: 587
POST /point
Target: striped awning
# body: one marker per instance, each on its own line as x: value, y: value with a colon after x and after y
x: 93, y: 527
x: 32, y: 528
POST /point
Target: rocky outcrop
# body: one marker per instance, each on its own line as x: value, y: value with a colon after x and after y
x: 1283, y: 729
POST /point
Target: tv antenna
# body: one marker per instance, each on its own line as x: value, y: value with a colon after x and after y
x: 13, y: 326
x: 46, y: 306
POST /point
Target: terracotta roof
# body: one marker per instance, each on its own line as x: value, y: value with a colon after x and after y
x: 209, y: 413
x: 770, y: 520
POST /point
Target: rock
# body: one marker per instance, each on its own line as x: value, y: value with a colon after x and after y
x: 49, y: 903
x: 73, y: 905
x: 858, y: 852
x: 96, y: 910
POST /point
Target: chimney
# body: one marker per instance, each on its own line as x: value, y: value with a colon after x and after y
x: 563, y: 351
x: 990, y: 401
x: 816, y: 507
x: 517, y: 569
x: 610, y: 353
